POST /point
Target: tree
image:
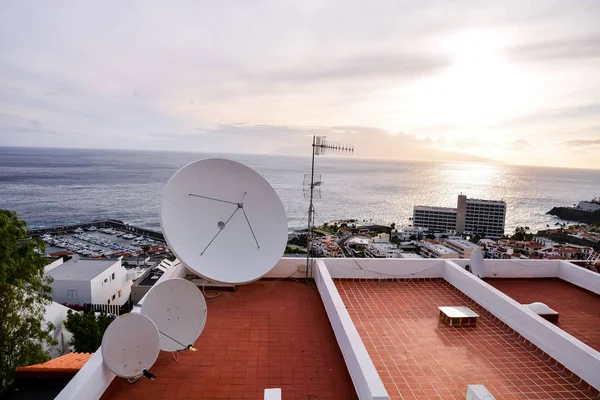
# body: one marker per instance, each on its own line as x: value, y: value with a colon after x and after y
x: 430, y: 236
x: 521, y: 233
x: 24, y: 292
x: 87, y: 329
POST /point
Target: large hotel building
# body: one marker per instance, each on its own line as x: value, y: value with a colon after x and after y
x: 471, y: 216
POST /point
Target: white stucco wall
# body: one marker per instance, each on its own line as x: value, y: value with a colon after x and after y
x: 520, y: 268
x: 103, y: 291
x: 384, y: 268
x: 60, y: 287
x: 56, y: 314
x: 578, y: 276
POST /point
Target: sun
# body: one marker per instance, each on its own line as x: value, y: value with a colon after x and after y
x: 479, y: 87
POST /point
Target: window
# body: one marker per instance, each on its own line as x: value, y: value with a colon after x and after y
x: 113, y: 297
x: 113, y: 275
x: 119, y: 292
x: 71, y: 293
x: 105, y: 280
x: 109, y: 301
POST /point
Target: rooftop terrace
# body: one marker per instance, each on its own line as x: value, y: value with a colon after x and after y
x: 268, y: 334
x: 579, y: 309
x: 419, y: 357
x: 370, y: 329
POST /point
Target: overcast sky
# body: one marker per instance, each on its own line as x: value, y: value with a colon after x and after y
x: 512, y: 81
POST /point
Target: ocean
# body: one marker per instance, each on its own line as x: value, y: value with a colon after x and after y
x: 49, y: 187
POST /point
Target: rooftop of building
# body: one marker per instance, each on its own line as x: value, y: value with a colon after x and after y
x: 80, y: 269
x: 64, y: 366
x: 370, y: 328
x: 437, y: 209
x: 463, y: 243
x: 265, y: 334
x: 579, y: 309
x: 483, y: 201
x: 439, y: 248
x: 420, y: 357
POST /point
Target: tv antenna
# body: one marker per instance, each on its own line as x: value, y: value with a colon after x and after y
x: 320, y: 146
x: 306, y: 186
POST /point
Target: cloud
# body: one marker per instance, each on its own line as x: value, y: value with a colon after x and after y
x: 555, y: 50
x: 553, y: 116
x: 583, y: 142
x: 519, y: 144
x: 379, y: 66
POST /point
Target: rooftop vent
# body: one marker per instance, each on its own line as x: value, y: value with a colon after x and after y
x: 543, y: 311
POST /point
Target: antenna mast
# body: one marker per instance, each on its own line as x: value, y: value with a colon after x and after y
x: 320, y: 146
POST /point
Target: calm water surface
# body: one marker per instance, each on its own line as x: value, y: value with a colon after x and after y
x: 57, y: 186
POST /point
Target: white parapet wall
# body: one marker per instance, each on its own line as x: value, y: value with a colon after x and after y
x: 384, y: 268
x: 578, y: 276
x: 364, y: 376
x: 520, y: 268
x: 575, y: 355
x: 94, y: 377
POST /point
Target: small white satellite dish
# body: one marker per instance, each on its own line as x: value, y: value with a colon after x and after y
x: 178, y: 309
x: 130, y: 345
x: 224, y: 221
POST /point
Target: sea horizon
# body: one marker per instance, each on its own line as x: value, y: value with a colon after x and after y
x: 56, y: 186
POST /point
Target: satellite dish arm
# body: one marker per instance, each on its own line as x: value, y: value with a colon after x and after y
x: 251, y: 230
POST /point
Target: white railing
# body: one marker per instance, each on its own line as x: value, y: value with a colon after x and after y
x: 364, y: 376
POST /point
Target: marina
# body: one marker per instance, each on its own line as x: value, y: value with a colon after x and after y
x: 101, y: 239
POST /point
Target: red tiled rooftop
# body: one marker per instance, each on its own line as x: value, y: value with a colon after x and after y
x: 268, y: 334
x: 419, y: 357
x: 579, y: 309
x: 66, y: 365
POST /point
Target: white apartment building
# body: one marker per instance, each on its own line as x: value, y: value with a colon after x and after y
x: 81, y: 282
x: 440, y: 219
x: 464, y: 248
x: 431, y: 250
x: 471, y: 216
x: 588, y: 206
x: 481, y: 217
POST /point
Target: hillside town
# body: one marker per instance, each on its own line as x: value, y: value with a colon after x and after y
x: 442, y: 232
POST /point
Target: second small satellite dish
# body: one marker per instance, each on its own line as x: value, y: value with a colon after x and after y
x: 178, y: 309
x: 224, y: 221
x: 130, y: 345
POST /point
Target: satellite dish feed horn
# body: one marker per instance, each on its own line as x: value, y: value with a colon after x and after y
x: 224, y: 221
x: 130, y: 346
x: 178, y: 309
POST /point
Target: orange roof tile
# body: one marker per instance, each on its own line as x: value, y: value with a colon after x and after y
x: 65, y: 365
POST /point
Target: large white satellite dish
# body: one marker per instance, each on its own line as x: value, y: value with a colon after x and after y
x: 130, y: 345
x: 178, y: 309
x: 224, y: 221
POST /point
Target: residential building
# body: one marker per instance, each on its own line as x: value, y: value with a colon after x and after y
x: 438, y: 219
x: 84, y: 281
x: 464, y: 248
x: 588, y: 206
x: 471, y: 216
x: 434, y: 250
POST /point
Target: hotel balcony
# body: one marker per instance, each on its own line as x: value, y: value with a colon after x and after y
x: 371, y: 329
